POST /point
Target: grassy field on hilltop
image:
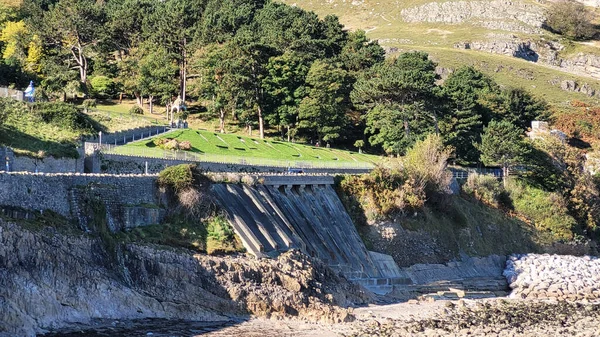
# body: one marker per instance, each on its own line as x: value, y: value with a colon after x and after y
x: 382, y: 20
x: 234, y: 148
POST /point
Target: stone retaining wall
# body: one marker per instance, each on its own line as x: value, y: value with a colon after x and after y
x: 560, y: 277
x: 121, y: 164
x: 45, y: 165
x: 55, y: 191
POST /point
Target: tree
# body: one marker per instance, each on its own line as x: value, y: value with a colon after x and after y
x: 519, y: 107
x: 571, y: 19
x: 322, y: 111
x: 157, y: 76
x: 285, y: 85
x: 222, y: 80
x: 172, y: 25
x: 462, y: 125
x: 392, y: 93
x: 252, y: 72
x: 222, y: 19
x: 359, y: 144
x: 359, y: 53
x: 502, y: 144
x: 73, y: 29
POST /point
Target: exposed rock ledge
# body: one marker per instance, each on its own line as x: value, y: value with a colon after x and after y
x: 561, y: 277
x: 48, y: 280
x: 514, y: 16
x: 545, y: 53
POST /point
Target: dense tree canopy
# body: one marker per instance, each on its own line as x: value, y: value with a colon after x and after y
x: 261, y: 64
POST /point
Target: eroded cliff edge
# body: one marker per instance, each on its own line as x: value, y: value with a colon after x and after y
x: 50, y: 280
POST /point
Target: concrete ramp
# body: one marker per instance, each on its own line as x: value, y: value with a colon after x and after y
x: 274, y: 218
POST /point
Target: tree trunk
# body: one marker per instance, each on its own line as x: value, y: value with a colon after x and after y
x: 250, y: 130
x: 222, y: 120
x: 183, y: 71
x: 504, y: 175
x: 138, y: 99
x: 151, y: 98
x: 288, y: 133
x: 261, y: 122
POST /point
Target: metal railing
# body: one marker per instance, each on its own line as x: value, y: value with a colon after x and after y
x: 188, y: 156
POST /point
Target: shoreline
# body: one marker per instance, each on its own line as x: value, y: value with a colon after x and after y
x: 501, y: 316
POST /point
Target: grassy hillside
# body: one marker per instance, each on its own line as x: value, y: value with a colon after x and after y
x: 234, y: 148
x: 56, y: 129
x: 383, y: 20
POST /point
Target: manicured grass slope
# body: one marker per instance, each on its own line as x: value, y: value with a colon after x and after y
x: 228, y: 147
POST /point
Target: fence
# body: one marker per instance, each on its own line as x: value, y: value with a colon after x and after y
x: 12, y: 93
x: 224, y: 159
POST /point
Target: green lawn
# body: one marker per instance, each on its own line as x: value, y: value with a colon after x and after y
x: 231, y: 148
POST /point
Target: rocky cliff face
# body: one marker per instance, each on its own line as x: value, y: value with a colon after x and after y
x: 50, y: 280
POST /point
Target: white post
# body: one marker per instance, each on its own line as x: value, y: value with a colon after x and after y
x: 146, y: 168
x: 100, y: 138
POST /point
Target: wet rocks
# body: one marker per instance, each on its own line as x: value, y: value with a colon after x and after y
x: 494, y: 318
x: 565, y: 278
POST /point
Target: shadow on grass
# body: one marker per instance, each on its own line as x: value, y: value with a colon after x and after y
x: 22, y: 141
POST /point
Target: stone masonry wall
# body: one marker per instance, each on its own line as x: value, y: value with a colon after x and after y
x: 45, y: 165
x: 53, y: 191
x: 119, y: 164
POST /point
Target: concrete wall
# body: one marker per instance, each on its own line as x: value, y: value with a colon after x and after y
x: 57, y: 192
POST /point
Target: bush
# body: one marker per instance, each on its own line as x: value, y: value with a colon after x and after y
x: 178, y: 177
x: 63, y: 115
x: 487, y: 189
x: 571, y: 19
x: 171, y: 144
x: 136, y: 110
x: 548, y: 211
x: 221, y: 238
x: 185, y: 145
x: 89, y: 103
x: 427, y: 162
x: 102, y: 86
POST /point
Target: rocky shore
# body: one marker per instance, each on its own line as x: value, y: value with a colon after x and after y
x: 561, y: 277
x: 50, y: 281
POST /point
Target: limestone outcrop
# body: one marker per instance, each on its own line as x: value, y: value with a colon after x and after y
x: 49, y: 280
x: 561, y: 277
x: 514, y: 16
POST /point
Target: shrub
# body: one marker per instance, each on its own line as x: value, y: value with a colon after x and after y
x: 160, y: 141
x: 571, y: 19
x: 171, y: 144
x: 185, y: 145
x: 487, y: 189
x: 63, y: 115
x: 102, y: 86
x: 90, y: 103
x: 177, y: 177
x: 136, y: 110
x: 548, y: 211
x: 221, y: 238
x: 427, y: 162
